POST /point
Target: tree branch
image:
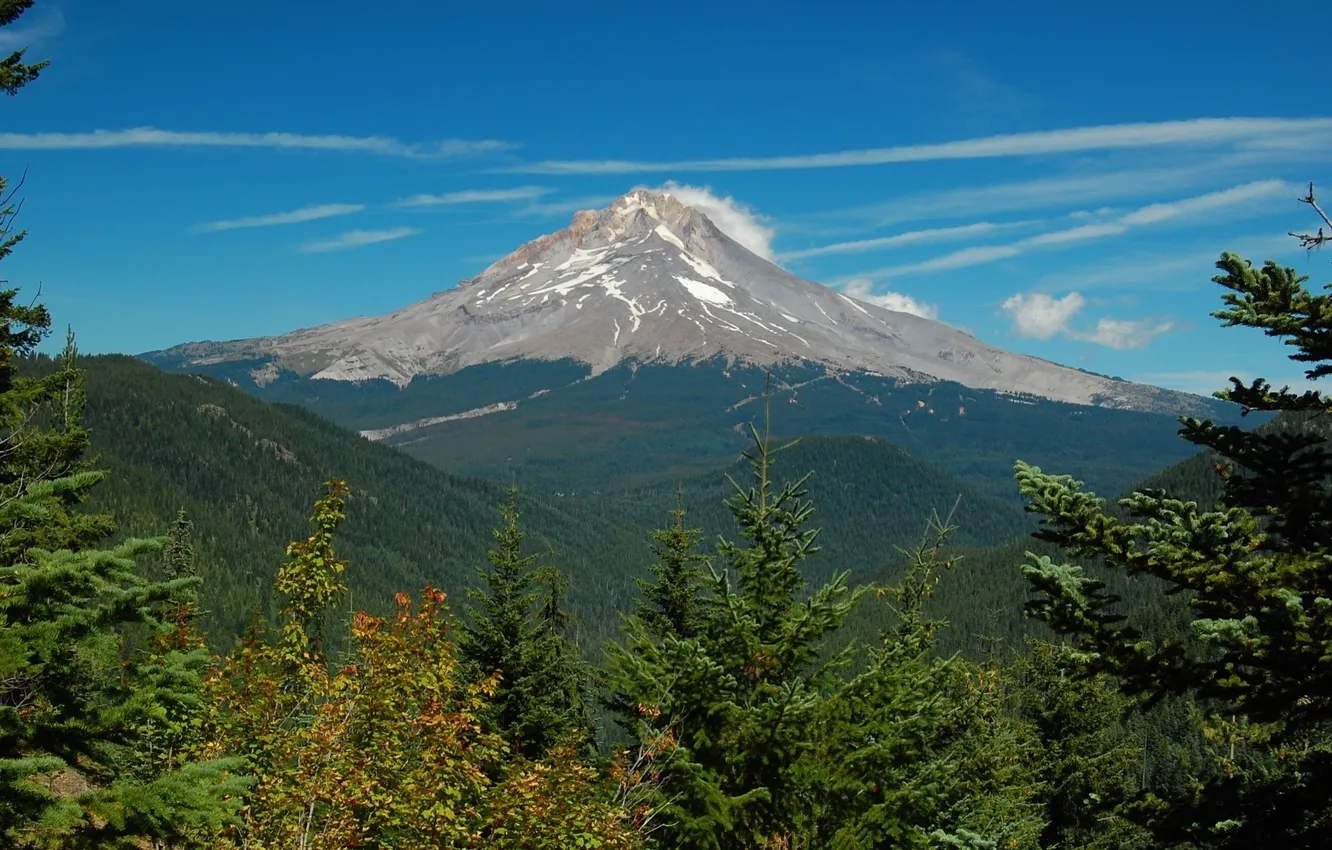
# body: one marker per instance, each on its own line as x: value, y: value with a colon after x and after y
x: 1314, y: 240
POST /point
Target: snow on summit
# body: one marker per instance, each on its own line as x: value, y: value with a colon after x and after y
x: 654, y: 280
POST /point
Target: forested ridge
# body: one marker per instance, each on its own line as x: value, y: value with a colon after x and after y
x: 242, y: 469
x: 184, y: 664
x: 651, y: 425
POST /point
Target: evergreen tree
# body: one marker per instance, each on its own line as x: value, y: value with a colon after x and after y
x: 178, y: 554
x: 558, y: 684
x: 74, y: 712
x: 726, y: 711
x: 1256, y: 572
x: 673, y: 604
x: 517, y: 634
x: 918, y: 751
x: 390, y: 748
x: 14, y: 72
x: 1086, y: 765
x: 178, y: 561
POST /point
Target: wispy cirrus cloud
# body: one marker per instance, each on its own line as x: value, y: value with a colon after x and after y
x: 357, y: 238
x: 568, y: 206
x: 31, y: 31
x: 475, y: 196
x: 153, y: 137
x: 1084, y: 193
x: 1240, y: 132
x: 1160, y: 271
x: 914, y: 237
x: 1245, y: 194
x: 310, y: 213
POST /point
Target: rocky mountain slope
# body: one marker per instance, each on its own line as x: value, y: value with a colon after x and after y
x: 651, y: 280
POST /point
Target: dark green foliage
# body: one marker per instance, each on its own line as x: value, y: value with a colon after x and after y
x: 44, y: 440
x: 78, y: 731
x: 871, y: 497
x: 736, y: 700
x: 516, y: 632
x: 14, y: 72
x: 242, y: 470
x: 178, y: 554
x: 1254, y: 573
x: 1086, y: 766
x: 651, y: 424
x: 918, y: 751
x: 672, y: 604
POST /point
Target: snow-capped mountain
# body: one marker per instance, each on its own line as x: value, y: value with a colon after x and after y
x: 650, y: 279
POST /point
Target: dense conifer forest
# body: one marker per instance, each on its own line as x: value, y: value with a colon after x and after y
x: 228, y: 623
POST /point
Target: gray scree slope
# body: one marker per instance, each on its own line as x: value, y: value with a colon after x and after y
x: 652, y: 280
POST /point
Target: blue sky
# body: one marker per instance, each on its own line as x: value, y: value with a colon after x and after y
x: 1055, y: 178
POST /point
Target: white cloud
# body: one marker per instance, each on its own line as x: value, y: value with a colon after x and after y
x: 1075, y: 234
x: 357, y: 238
x: 311, y: 213
x: 959, y: 259
x: 1123, y: 334
x: 153, y: 137
x: 1042, y: 193
x: 859, y: 289
x: 1256, y: 191
x: 733, y: 218
x: 1039, y: 315
x: 913, y: 237
x: 1194, y: 132
x: 475, y: 196
x: 1246, y: 194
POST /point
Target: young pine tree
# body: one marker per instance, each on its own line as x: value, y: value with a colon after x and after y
x: 558, y: 684
x: 918, y: 751
x: 514, y: 632
x: 1257, y: 572
x: 673, y: 603
x: 726, y: 710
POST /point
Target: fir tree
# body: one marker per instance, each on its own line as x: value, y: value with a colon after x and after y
x: 516, y: 633
x: 557, y: 686
x: 178, y: 554
x: 74, y: 712
x: 14, y: 72
x: 178, y: 561
x: 727, y: 710
x: 1086, y: 767
x: 1255, y: 570
x: 918, y: 751
x: 673, y: 603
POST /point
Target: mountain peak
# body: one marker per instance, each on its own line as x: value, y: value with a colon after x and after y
x: 632, y: 215
x: 651, y: 279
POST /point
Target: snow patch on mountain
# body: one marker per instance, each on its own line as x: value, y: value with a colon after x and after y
x: 652, y: 279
